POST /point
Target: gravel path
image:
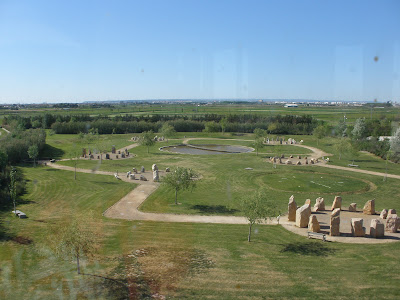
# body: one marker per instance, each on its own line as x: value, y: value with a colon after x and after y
x: 128, y: 207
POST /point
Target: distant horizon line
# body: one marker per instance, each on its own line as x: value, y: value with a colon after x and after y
x: 201, y: 100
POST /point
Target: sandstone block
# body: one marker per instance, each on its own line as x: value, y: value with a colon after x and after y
x: 391, y: 212
x: 392, y: 223
x: 303, y: 215
x: 369, y: 207
x: 292, y: 206
x: 353, y: 207
x: 384, y: 214
x: 357, y: 228
x: 377, y: 229
x: 319, y: 204
x: 335, y: 222
x: 337, y: 202
x: 156, y: 177
x: 313, y: 224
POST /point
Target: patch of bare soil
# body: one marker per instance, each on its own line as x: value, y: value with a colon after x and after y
x: 22, y: 240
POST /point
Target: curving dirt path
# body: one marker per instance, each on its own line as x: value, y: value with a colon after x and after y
x: 128, y: 207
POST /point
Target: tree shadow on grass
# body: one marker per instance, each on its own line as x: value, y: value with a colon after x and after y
x: 309, y: 248
x: 51, y: 152
x: 218, y: 209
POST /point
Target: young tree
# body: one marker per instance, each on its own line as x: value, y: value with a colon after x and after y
x: 257, y: 207
x: 180, y: 179
x: 360, y: 129
x: 13, y: 187
x: 259, y: 133
x: 320, y: 132
x: 74, y: 241
x: 74, y: 155
x: 223, y: 123
x: 167, y: 131
x: 342, y: 146
x: 395, y: 142
x: 258, y: 144
x: 33, y: 152
x: 147, y: 139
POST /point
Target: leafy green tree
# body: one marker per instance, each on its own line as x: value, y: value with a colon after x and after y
x: 257, y: 207
x: 75, y: 241
x: 341, y: 129
x: 258, y: 144
x: 13, y: 187
x: 395, y: 142
x: 180, y: 179
x: 259, y: 133
x: 211, y: 126
x: 167, y: 131
x: 223, y: 123
x: 33, y: 152
x: 360, y: 129
x: 342, y: 146
x: 320, y: 132
x: 147, y: 139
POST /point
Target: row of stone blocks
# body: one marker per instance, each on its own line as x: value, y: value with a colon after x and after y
x: 369, y: 207
x: 154, y: 168
x: 303, y: 218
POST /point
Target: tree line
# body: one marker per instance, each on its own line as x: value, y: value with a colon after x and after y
x: 246, y: 123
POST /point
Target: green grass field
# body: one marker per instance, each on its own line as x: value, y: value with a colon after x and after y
x: 194, y: 261
x: 181, y: 261
x: 330, y: 114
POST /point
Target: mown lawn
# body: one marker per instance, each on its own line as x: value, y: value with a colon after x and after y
x: 225, y: 180
x: 180, y: 261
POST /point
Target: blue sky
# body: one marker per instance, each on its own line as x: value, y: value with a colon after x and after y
x: 73, y: 51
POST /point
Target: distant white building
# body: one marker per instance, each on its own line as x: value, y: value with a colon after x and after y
x: 291, y: 105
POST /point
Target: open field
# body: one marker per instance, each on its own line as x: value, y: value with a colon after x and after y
x: 183, y: 261
x: 330, y: 114
x: 225, y: 180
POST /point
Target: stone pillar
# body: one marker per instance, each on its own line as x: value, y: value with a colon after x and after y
x: 337, y: 203
x: 392, y: 223
x: 292, y: 206
x: 369, y: 207
x: 319, y: 204
x: 377, y: 229
x: 335, y: 222
x: 303, y: 215
x: 357, y: 228
x: 313, y: 224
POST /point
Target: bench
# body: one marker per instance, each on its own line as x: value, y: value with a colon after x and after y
x: 351, y: 165
x: 316, y: 235
x: 19, y: 214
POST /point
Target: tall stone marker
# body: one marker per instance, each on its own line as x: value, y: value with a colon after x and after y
x: 357, y: 228
x: 319, y: 204
x: 303, y: 216
x: 313, y: 224
x: 335, y: 222
x: 337, y: 202
x: 392, y: 223
x: 377, y: 229
x: 292, y: 207
x: 369, y: 207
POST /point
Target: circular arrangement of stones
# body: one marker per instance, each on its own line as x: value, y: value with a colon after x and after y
x: 343, y: 224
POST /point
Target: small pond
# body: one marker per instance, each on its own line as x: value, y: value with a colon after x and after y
x: 206, y: 149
